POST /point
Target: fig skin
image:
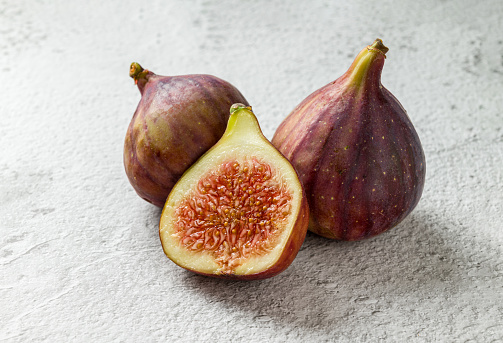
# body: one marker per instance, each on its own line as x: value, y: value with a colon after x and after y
x: 356, y: 152
x: 243, y: 137
x: 176, y: 121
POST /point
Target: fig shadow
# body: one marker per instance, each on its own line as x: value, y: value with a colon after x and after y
x: 330, y: 281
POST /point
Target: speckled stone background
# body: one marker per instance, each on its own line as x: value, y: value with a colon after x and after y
x: 80, y: 257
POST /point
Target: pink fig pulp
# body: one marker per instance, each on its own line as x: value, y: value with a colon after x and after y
x: 356, y: 151
x: 177, y: 120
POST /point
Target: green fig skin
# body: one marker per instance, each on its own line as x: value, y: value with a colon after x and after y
x: 177, y: 120
x: 356, y: 151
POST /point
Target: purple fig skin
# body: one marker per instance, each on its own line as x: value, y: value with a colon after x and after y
x: 356, y: 152
x: 177, y: 120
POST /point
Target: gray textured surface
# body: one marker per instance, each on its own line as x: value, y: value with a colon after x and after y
x: 80, y: 258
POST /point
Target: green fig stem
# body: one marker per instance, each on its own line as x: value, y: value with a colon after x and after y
x: 239, y: 106
x: 367, y: 66
x: 242, y: 124
x: 379, y: 46
x: 139, y: 75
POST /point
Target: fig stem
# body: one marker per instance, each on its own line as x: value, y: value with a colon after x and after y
x: 239, y: 106
x: 367, y: 66
x: 378, y: 45
x: 242, y: 122
x: 137, y: 72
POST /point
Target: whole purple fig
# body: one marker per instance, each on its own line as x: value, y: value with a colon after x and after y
x: 356, y: 152
x: 177, y: 120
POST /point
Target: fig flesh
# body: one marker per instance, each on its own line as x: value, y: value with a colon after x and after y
x: 240, y: 211
x: 177, y: 120
x: 356, y: 151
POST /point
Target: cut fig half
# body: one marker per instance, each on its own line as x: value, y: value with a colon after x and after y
x: 240, y: 211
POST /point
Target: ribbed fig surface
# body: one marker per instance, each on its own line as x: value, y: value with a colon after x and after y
x: 356, y: 152
x: 177, y: 119
x: 240, y: 211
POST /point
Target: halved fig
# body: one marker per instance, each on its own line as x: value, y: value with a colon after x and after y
x: 240, y: 211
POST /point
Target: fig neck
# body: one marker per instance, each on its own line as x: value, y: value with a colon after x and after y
x: 242, y: 123
x: 140, y: 75
x: 367, y: 67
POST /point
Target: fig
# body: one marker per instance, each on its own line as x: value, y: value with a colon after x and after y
x: 239, y: 212
x: 177, y: 120
x: 357, y: 154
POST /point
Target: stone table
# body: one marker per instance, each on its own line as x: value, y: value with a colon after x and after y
x: 80, y: 257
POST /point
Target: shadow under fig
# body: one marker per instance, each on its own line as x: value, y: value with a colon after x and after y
x: 330, y: 280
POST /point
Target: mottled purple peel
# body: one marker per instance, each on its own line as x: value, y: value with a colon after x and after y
x: 177, y: 120
x: 356, y: 152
